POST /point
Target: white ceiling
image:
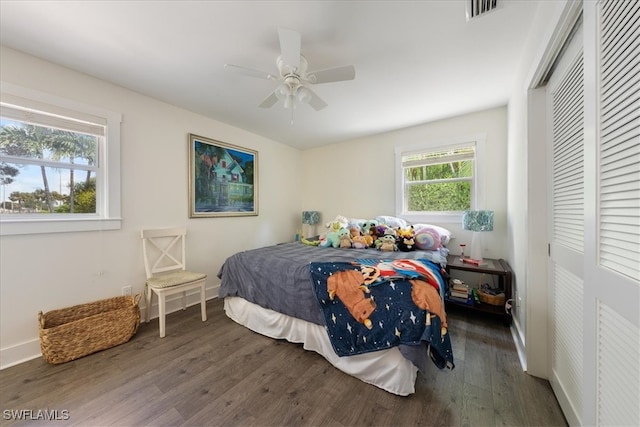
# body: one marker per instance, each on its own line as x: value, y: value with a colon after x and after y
x: 415, y: 61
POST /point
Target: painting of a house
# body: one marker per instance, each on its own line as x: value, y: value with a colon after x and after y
x: 222, y: 179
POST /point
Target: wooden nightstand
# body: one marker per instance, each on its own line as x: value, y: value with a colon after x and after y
x: 495, y: 267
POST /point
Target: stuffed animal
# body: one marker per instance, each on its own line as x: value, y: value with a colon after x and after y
x: 338, y: 223
x: 344, y: 237
x: 387, y: 242
x: 406, y: 239
x: 310, y: 242
x: 370, y: 228
x: 359, y: 242
x: 381, y: 229
x: 330, y: 239
x: 349, y: 288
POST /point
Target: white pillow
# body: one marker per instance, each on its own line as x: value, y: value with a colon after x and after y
x: 392, y: 221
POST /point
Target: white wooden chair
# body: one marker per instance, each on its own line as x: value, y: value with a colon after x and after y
x: 164, y: 263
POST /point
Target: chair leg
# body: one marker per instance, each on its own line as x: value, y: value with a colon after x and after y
x: 203, y: 303
x: 148, y: 293
x: 184, y: 300
x: 161, y: 314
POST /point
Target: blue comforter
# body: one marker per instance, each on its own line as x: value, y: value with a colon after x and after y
x: 369, y: 306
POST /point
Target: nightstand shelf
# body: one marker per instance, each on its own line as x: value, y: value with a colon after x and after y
x: 494, y: 267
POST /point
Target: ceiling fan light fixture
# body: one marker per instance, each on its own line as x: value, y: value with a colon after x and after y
x: 294, y: 78
x: 303, y: 95
x: 290, y: 101
x: 283, y: 91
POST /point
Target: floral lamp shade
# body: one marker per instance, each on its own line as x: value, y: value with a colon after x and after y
x: 477, y: 220
x: 310, y: 217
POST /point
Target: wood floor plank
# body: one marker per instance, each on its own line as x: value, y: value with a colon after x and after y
x: 220, y: 373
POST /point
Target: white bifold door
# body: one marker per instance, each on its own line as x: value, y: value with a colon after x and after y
x: 593, y: 105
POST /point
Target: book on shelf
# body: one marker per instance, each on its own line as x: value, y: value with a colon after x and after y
x: 459, y: 294
x: 466, y: 300
x: 460, y: 287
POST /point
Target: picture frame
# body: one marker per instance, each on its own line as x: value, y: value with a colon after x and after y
x: 223, y: 179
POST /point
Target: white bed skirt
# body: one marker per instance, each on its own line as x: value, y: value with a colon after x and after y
x: 386, y: 369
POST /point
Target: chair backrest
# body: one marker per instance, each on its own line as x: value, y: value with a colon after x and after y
x: 163, y: 250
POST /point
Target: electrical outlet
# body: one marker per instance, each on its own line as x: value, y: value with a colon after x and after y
x: 126, y: 291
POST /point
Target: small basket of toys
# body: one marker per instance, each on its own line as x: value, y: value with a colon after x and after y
x: 70, y: 333
x: 490, y: 295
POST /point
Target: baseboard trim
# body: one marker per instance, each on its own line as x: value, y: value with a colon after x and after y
x: 29, y: 350
x: 20, y: 353
x: 520, y: 347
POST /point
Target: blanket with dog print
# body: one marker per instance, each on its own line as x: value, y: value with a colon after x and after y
x: 369, y: 305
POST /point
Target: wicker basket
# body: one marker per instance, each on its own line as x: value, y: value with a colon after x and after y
x: 70, y: 333
x: 491, y: 299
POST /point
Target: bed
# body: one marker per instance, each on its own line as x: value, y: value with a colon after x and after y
x: 282, y: 292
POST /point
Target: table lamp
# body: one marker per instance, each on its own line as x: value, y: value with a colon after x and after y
x: 310, y: 219
x: 478, y: 222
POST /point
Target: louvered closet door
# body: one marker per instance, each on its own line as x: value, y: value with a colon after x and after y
x: 565, y: 106
x: 612, y: 289
x: 593, y: 100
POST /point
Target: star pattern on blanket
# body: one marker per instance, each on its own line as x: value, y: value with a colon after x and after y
x: 385, y: 313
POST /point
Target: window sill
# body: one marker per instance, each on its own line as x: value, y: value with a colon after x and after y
x: 10, y: 227
x: 432, y: 217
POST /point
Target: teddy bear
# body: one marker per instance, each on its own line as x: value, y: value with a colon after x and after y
x: 349, y: 288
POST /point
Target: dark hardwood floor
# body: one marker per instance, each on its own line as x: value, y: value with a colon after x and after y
x: 219, y: 373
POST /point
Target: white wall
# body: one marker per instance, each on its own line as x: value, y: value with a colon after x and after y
x: 356, y: 178
x: 527, y: 243
x: 48, y: 271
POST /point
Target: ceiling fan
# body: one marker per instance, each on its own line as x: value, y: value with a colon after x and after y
x: 294, y: 77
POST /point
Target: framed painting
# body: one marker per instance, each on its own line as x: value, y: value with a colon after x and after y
x: 223, y: 179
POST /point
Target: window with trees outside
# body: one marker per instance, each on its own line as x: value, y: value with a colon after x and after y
x: 54, y: 174
x: 437, y: 183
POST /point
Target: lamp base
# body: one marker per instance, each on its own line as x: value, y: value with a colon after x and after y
x: 308, y: 230
x: 476, y: 246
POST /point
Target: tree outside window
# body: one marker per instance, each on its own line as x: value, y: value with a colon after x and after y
x: 439, y: 181
x: 47, y: 169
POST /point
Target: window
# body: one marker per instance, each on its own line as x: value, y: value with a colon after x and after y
x: 55, y: 172
x: 437, y: 183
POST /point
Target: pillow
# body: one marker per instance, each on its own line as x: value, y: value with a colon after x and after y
x: 428, y: 239
x: 392, y: 221
x: 445, y: 235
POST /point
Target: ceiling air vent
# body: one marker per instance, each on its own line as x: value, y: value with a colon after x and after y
x: 477, y: 8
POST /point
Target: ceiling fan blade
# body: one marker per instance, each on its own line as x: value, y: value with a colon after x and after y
x: 290, y: 47
x: 316, y: 102
x: 249, y: 72
x: 269, y: 101
x: 348, y: 72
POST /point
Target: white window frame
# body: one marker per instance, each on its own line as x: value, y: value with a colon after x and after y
x: 477, y: 197
x: 108, y: 215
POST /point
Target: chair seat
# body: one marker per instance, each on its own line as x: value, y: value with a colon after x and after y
x: 174, y: 278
